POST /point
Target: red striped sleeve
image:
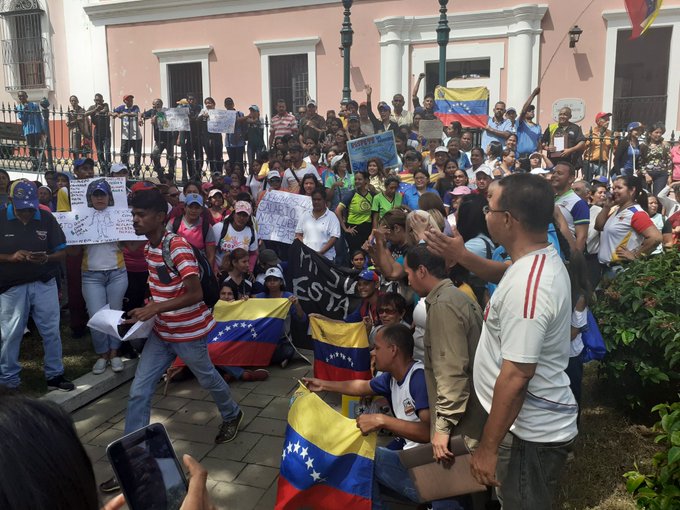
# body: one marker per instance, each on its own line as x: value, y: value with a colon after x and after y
x: 538, y: 279
x: 527, y: 292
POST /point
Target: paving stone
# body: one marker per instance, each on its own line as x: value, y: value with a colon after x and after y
x: 172, y: 403
x: 276, y: 386
x: 221, y: 470
x: 268, y: 426
x: 106, y: 437
x: 197, y: 450
x: 189, y: 432
x: 255, y: 400
x: 91, y: 434
x: 196, y: 412
x: 186, y: 389
x: 102, y: 471
x: 94, y: 415
x: 95, y: 452
x: 257, y: 476
x: 268, y: 500
x: 267, y: 452
x: 236, y: 497
x: 157, y: 416
x: 277, y: 408
x: 236, y: 449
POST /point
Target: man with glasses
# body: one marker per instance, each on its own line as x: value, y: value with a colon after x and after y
x: 33, y: 125
x: 497, y: 128
x: 399, y: 115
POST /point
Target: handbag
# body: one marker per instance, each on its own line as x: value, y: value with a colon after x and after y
x: 593, y: 343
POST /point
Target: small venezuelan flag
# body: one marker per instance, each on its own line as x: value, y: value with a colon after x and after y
x: 247, y: 332
x: 469, y: 106
x: 642, y: 14
x: 341, y: 351
x: 326, y: 462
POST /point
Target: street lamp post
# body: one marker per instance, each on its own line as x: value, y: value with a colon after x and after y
x: 443, y: 31
x: 346, y: 39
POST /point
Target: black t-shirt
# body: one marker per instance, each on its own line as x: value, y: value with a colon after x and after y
x: 42, y: 233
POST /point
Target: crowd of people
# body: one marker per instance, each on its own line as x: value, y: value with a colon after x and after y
x: 475, y: 266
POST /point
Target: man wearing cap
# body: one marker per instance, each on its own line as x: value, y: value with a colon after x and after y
x: 292, y: 177
x: 497, y: 128
x: 31, y: 250
x: 101, y: 122
x: 312, y: 124
x: 399, y: 115
x: 319, y: 228
x: 564, y: 140
x: 236, y: 142
x: 384, y: 123
x: 254, y: 134
x: 598, y: 147
x: 437, y: 167
x: 130, y: 134
x: 511, y: 115
x: 163, y: 140
x: 483, y: 177
x: 528, y: 132
x: 368, y: 286
x: 283, y: 123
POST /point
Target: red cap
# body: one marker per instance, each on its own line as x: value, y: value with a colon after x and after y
x: 126, y: 96
x: 142, y: 185
x: 602, y: 114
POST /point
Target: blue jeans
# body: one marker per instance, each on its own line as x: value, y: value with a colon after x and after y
x: 529, y: 472
x: 40, y: 301
x: 390, y: 473
x: 155, y: 360
x: 99, y: 289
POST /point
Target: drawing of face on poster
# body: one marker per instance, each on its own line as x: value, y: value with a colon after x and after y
x: 99, y: 195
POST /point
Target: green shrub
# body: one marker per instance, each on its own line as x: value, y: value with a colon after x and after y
x: 661, y: 489
x: 639, y: 318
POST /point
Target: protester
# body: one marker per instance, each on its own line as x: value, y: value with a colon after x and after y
x: 130, y: 134
x: 421, y: 184
x: 656, y: 157
x: 354, y: 213
x: 319, y: 228
x: 194, y: 227
x: 237, y: 231
x: 573, y: 208
x: 628, y: 159
x: 598, y: 147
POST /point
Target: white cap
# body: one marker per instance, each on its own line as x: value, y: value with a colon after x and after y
x: 273, y: 271
x: 336, y: 159
x: 485, y: 170
x: 540, y: 171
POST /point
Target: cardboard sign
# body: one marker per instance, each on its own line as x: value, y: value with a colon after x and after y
x: 379, y: 146
x: 431, y: 129
x: 221, y: 121
x: 173, y: 119
x: 278, y: 214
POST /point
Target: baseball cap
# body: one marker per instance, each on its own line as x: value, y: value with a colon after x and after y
x: 83, y: 161
x: 243, y: 206
x: 206, y: 186
x: 633, y: 125
x: 101, y: 185
x: 275, y: 272
x: 460, y: 190
x: 337, y: 159
x: 540, y: 171
x: 601, y: 179
x: 483, y: 169
x: 369, y: 276
x: 128, y: 96
x: 602, y: 114
x: 216, y: 174
x: 24, y: 196
x: 441, y: 148
x: 511, y: 109
x: 193, y: 198
x: 118, y: 168
x: 254, y: 107
x: 311, y: 102
x: 268, y: 257
x: 536, y: 154
x: 383, y: 106
x: 142, y: 185
x: 273, y: 174
x: 214, y: 192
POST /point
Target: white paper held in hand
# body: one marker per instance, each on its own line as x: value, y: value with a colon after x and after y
x: 107, y: 321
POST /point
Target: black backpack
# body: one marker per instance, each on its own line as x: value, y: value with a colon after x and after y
x: 225, y: 229
x: 211, y: 291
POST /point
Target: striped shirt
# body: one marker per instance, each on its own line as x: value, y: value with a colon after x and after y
x: 184, y: 324
x: 283, y: 125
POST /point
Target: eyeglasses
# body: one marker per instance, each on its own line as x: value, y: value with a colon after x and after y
x: 486, y: 210
x: 387, y: 310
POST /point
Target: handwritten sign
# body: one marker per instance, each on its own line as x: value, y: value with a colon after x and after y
x: 431, y: 129
x: 379, y: 146
x: 174, y: 119
x: 86, y: 225
x: 221, y: 121
x: 278, y: 214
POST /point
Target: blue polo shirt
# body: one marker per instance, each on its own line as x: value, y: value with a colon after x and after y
x: 528, y: 137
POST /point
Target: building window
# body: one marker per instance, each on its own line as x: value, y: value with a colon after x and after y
x: 184, y: 78
x: 641, y: 77
x: 25, y: 52
x: 459, y: 70
x: 288, y: 79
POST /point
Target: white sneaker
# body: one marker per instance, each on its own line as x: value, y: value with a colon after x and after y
x: 100, y: 366
x: 117, y: 364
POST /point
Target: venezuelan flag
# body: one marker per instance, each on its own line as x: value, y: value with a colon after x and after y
x: 469, y: 106
x: 642, y: 14
x: 246, y: 332
x: 326, y: 462
x: 341, y: 351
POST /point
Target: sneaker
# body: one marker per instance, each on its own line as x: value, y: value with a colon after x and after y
x: 229, y: 429
x: 255, y: 375
x: 116, y: 364
x: 100, y: 366
x: 284, y: 363
x: 60, y: 383
x: 110, y: 485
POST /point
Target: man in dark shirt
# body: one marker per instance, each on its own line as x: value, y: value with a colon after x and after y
x: 101, y: 121
x: 163, y: 140
x: 564, y: 140
x: 31, y: 249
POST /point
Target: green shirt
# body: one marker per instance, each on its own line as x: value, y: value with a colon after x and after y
x: 381, y: 204
x: 358, y: 207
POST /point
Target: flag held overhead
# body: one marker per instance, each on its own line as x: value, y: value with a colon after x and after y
x: 469, y: 106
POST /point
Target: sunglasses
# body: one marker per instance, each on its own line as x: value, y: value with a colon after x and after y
x: 387, y: 310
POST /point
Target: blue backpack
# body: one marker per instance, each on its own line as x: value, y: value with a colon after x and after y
x: 593, y: 343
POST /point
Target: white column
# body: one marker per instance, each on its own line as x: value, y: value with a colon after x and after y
x: 391, y: 58
x: 520, y: 60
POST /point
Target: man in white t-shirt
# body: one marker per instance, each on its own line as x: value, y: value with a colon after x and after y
x: 523, y: 350
x: 319, y: 228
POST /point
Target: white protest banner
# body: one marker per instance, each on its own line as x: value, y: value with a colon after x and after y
x: 431, y: 129
x: 86, y: 225
x: 278, y: 214
x: 175, y: 119
x: 379, y: 146
x: 221, y: 121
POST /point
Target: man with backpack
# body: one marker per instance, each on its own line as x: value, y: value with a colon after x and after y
x: 182, y: 321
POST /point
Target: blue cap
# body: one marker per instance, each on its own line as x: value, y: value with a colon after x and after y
x: 633, y: 125
x: 101, y: 185
x: 193, y: 198
x: 602, y: 179
x: 83, y: 161
x: 369, y: 276
x: 25, y: 196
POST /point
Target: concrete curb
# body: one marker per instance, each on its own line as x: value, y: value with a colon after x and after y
x: 90, y: 387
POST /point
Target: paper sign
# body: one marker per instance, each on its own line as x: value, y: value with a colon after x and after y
x: 173, y: 119
x: 221, y: 121
x: 375, y: 146
x: 431, y: 129
x: 558, y: 143
x: 278, y: 214
x: 107, y: 321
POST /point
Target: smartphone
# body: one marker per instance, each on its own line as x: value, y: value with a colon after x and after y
x: 147, y: 469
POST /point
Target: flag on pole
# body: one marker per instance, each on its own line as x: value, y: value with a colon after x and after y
x: 642, y: 14
x: 326, y: 463
x: 469, y: 106
x: 246, y: 332
x: 341, y: 351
